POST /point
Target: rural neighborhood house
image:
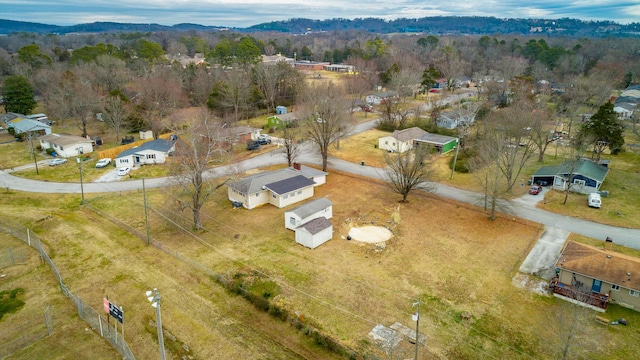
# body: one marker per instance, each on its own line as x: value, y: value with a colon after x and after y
x: 148, y: 153
x: 66, y: 145
x: 596, y: 277
x: 586, y: 176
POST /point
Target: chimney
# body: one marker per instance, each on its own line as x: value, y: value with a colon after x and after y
x: 607, y: 244
x: 296, y: 166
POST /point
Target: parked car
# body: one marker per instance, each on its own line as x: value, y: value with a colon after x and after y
x: 103, y: 162
x: 124, y: 171
x: 55, y: 162
x: 535, y: 189
x: 253, y: 145
x: 594, y: 200
x: 264, y: 140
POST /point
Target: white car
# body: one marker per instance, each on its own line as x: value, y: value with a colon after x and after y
x: 124, y: 171
x: 55, y: 162
x: 103, y: 162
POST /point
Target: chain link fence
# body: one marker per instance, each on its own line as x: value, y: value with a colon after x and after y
x: 85, y: 311
x: 10, y: 257
x: 25, y: 333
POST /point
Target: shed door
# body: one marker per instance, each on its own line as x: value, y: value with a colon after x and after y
x: 597, y: 284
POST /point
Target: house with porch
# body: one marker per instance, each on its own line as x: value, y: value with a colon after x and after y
x: 148, y: 153
x: 595, y: 277
x: 279, y: 188
x: 582, y: 176
x: 66, y: 145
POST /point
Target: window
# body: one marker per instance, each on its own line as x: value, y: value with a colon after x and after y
x: 615, y: 287
x: 151, y: 156
x: 292, y: 220
x: 579, y: 182
x: 299, y: 192
x: 634, y: 293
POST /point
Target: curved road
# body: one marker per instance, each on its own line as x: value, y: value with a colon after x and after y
x: 523, y: 209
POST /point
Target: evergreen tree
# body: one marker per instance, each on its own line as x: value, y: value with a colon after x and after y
x: 604, y: 129
x: 18, y: 95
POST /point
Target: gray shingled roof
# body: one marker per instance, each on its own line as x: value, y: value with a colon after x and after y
x: 584, y: 167
x: 291, y: 184
x: 254, y: 183
x: 160, y: 145
x: 312, y: 207
x: 316, y: 225
x: 409, y: 134
x: 63, y: 140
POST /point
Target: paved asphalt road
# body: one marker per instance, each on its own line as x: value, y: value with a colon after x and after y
x: 519, y: 208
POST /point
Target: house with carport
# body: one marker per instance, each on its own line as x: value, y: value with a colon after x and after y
x: 595, y: 277
x: 583, y: 176
x: 279, y: 188
x: 402, y: 140
x: 148, y: 153
x: 66, y: 145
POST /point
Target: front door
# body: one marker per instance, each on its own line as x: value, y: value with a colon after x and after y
x: 597, y: 284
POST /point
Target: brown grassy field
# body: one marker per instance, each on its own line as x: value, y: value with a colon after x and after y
x: 449, y: 254
x: 70, y: 338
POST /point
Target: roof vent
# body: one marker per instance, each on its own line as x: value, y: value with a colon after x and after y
x: 628, y: 274
x: 608, y: 256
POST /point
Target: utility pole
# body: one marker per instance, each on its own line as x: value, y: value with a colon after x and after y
x: 81, y: 185
x: 146, y: 212
x: 417, y: 318
x: 154, y: 297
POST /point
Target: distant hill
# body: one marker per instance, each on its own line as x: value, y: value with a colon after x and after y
x: 474, y: 25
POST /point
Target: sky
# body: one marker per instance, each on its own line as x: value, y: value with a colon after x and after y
x: 245, y: 13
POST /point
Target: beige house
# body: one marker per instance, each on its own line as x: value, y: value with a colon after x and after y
x: 279, y: 188
x: 593, y: 277
x: 66, y: 145
x: 401, y: 140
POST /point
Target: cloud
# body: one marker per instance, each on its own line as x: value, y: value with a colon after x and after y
x: 243, y: 13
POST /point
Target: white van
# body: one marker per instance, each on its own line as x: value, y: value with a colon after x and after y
x: 594, y: 200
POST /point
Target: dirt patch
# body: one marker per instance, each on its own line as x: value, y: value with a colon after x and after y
x: 370, y: 234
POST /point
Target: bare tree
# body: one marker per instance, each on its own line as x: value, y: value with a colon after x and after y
x: 409, y: 170
x: 571, y: 329
x: 110, y: 73
x: 160, y: 93
x: 291, y: 145
x: 266, y: 77
x: 236, y: 91
x: 115, y: 111
x: 487, y: 173
x: 200, y: 142
x: 326, y: 117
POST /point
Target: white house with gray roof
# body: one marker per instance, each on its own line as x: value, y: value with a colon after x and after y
x: 306, y: 212
x: 66, y: 145
x: 279, y: 187
x: 151, y: 152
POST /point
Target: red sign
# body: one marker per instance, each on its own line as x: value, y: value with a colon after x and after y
x: 106, y: 305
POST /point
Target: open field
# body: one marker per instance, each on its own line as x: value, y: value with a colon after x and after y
x: 70, y: 338
x: 459, y: 263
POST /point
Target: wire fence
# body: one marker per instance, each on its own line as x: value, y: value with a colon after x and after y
x: 11, y: 256
x: 85, y: 311
x: 25, y: 333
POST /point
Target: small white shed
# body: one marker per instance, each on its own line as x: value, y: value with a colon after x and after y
x: 306, y: 212
x: 314, y: 233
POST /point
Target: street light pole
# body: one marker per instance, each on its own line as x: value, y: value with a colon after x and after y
x: 154, y: 297
x: 81, y: 185
x: 417, y: 319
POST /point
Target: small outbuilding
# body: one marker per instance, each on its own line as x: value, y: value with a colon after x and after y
x: 306, y: 212
x: 314, y: 233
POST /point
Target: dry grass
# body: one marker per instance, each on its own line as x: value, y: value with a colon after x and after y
x: 70, y: 339
x: 459, y: 262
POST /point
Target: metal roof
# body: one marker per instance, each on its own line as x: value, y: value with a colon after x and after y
x: 64, y: 140
x: 409, y: 134
x: 312, y: 207
x: 584, y: 167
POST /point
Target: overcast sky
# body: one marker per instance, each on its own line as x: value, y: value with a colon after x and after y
x: 244, y: 13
